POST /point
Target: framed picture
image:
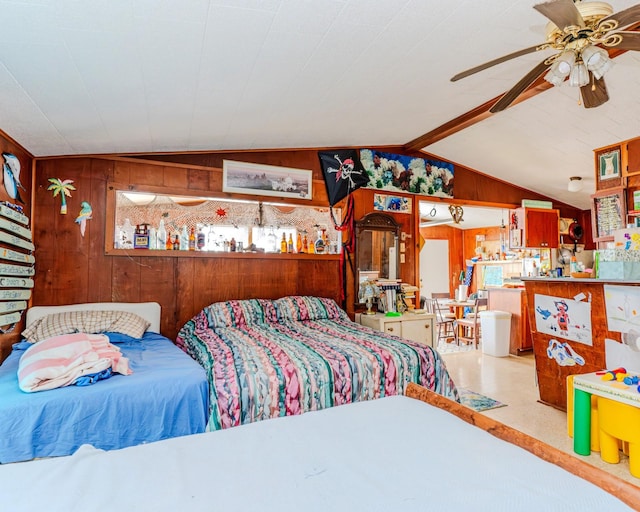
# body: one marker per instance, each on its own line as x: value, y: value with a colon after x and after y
x: 609, y: 165
x: 266, y: 180
x: 608, y: 213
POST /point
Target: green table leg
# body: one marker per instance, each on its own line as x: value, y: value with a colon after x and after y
x: 581, y: 422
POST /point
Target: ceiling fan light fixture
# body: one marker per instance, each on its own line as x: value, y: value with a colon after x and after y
x: 579, y: 75
x: 561, y: 68
x: 575, y: 184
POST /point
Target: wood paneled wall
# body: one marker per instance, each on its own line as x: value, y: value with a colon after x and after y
x: 74, y: 269
x: 8, y: 145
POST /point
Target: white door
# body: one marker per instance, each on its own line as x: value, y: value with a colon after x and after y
x: 434, y: 267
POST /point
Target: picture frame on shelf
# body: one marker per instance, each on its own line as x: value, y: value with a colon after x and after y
x: 266, y: 180
x: 609, y: 165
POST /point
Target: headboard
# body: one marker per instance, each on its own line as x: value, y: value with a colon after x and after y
x: 150, y: 311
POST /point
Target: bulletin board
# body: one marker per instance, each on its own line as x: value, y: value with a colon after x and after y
x: 608, y: 211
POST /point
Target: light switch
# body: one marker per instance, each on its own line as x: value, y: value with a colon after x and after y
x: 403, y: 247
x: 402, y: 258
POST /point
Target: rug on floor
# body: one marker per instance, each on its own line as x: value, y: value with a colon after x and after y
x: 478, y: 402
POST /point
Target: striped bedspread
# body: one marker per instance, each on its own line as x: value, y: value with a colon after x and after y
x: 269, y: 358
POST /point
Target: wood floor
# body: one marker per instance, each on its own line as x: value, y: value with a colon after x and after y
x: 512, y: 380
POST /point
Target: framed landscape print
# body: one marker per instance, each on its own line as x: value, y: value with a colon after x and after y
x: 266, y: 180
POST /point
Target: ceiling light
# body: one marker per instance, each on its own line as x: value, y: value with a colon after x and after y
x: 575, y: 184
x: 577, y: 63
x: 561, y: 68
x: 579, y: 75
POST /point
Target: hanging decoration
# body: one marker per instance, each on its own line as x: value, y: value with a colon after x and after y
x: 343, y: 173
x: 63, y: 188
x: 11, y: 176
x: 84, y: 216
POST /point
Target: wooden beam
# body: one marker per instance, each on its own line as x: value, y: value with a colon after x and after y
x: 623, y: 490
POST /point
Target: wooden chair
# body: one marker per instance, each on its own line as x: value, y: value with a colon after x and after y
x: 467, y: 329
x: 444, y: 323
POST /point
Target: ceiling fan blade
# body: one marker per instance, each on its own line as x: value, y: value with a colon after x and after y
x: 594, y: 93
x: 630, y: 41
x: 510, y: 96
x: 625, y: 17
x: 562, y: 13
x: 493, y: 62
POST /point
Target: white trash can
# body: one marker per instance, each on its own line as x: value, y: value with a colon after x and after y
x: 496, y: 332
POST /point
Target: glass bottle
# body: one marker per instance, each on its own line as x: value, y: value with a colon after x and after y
x: 201, y: 239
x: 283, y: 243
x: 176, y: 243
x: 299, y: 243
x: 168, y: 244
x: 192, y: 239
x: 184, y: 239
x: 161, y: 236
x: 290, y: 244
x: 232, y: 245
x: 305, y: 244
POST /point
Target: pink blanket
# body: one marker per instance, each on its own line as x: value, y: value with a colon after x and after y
x: 60, y: 360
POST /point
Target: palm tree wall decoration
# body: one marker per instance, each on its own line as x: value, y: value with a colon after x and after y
x: 64, y: 188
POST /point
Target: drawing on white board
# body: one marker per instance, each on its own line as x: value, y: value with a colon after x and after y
x: 563, y: 318
x: 622, y: 304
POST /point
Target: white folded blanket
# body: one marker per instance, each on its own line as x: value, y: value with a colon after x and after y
x: 60, y: 360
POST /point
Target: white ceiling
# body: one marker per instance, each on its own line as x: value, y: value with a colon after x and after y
x: 122, y: 76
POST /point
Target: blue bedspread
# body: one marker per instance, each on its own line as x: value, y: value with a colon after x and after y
x: 166, y: 396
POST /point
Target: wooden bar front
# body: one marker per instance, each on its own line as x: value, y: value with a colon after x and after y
x: 552, y: 376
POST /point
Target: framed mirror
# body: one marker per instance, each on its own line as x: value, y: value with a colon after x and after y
x: 376, y: 248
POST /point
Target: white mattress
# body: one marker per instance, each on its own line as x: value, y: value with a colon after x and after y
x: 393, y: 454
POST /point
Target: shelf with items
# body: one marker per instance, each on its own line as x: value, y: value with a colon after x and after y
x: 152, y: 223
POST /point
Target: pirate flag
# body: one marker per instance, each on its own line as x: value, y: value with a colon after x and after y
x: 343, y: 173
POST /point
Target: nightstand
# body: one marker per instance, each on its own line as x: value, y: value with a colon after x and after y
x: 412, y: 326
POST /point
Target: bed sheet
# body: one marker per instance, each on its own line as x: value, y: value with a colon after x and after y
x: 393, y: 454
x: 165, y: 396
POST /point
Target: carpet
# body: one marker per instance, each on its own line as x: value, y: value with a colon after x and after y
x: 478, y: 402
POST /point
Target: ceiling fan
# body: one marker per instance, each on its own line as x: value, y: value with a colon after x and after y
x: 579, y: 32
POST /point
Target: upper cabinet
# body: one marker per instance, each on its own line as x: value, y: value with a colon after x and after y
x: 533, y: 228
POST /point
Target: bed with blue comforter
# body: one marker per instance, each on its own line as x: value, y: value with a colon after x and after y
x: 270, y: 358
x: 165, y: 396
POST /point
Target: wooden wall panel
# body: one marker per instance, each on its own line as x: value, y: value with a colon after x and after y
x: 8, y: 145
x: 75, y: 269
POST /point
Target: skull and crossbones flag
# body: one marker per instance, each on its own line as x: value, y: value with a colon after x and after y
x: 343, y: 173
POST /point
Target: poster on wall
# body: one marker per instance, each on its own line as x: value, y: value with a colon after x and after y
x: 622, y: 304
x: 385, y: 203
x: 400, y: 173
x: 564, y: 318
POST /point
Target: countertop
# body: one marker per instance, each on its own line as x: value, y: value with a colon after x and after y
x: 568, y: 279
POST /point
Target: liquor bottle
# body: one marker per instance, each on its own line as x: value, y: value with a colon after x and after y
x: 153, y: 238
x: 176, y: 243
x: 168, y: 244
x: 192, y: 239
x: 290, y: 244
x: 161, y: 236
x: 299, y: 243
x: 319, y: 245
x: 305, y: 244
x: 232, y: 245
x: 201, y: 240
x: 283, y: 243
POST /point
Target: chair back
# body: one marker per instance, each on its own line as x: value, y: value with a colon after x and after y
x: 440, y: 311
x: 440, y: 295
x: 428, y: 305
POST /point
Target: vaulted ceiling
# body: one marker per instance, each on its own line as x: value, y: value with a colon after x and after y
x: 124, y: 76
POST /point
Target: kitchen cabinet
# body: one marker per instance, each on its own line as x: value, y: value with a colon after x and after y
x: 535, y: 228
x: 411, y: 326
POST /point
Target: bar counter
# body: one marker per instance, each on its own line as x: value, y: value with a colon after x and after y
x: 551, y: 375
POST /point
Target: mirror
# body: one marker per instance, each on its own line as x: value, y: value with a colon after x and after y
x: 376, y: 248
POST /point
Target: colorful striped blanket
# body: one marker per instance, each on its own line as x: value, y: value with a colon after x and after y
x: 269, y: 358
